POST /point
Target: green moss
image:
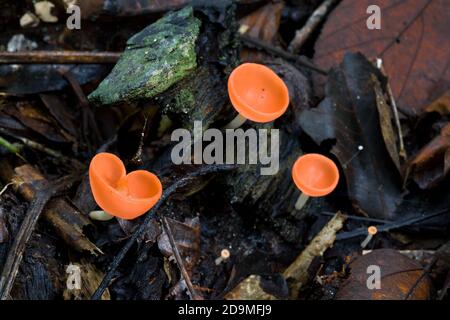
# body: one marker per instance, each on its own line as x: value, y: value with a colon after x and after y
x: 185, y: 100
x: 154, y: 59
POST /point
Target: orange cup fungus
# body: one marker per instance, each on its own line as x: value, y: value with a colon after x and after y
x: 257, y: 92
x: 315, y: 175
x: 125, y: 196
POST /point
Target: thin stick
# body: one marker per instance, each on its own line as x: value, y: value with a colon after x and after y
x: 5, y: 188
x: 314, y: 20
x: 390, y: 226
x: 148, y: 219
x: 402, y: 151
x: 298, y: 60
x: 18, y: 246
x: 88, y: 117
x: 179, y: 261
x: 425, y: 271
x: 58, y: 57
x: 9, y: 146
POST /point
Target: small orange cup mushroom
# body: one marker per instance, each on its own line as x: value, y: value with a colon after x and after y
x: 371, y: 231
x: 315, y: 175
x: 121, y: 195
x: 257, y: 93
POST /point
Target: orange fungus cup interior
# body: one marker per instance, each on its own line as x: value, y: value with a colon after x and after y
x: 315, y: 175
x: 257, y: 93
x: 121, y: 195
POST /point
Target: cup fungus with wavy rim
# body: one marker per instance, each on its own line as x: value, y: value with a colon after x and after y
x: 315, y: 175
x: 122, y: 195
x: 257, y: 93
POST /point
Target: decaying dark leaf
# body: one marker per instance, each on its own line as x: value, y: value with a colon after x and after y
x: 399, y: 276
x: 187, y: 240
x: 432, y: 163
x: 349, y: 115
x: 413, y: 42
x: 387, y: 129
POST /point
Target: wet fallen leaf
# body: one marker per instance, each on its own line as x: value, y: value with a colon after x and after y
x: 349, y: 115
x: 261, y: 24
x: 431, y: 164
x: 187, y: 240
x: 413, y: 42
x: 399, y: 275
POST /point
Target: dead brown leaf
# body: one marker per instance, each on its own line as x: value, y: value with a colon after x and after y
x: 261, y: 24
x: 431, y: 164
x: 398, y: 275
x: 413, y: 43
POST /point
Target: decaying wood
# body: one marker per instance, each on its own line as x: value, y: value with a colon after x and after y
x: 63, y: 216
x: 11, y: 267
x: 249, y: 289
x: 59, y: 57
x: 297, y: 273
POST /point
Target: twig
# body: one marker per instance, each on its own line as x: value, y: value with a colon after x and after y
x: 314, y: 20
x: 390, y: 226
x: 402, y: 151
x: 9, y: 146
x: 56, y: 154
x: 58, y: 57
x: 424, y: 273
x: 18, y: 246
x: 88, y: 118
x: 5, y: 188
x: 365, y: 219
x: 297, y: 274
x: 149, y: 217
x: 179, y: 261
x: 282, y: 53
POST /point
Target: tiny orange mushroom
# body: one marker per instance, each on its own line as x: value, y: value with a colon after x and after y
x: 121, y: 195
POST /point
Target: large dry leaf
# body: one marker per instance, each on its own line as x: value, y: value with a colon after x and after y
x: 349, y: 115
x: 399, y: 275
x: 413, y: 42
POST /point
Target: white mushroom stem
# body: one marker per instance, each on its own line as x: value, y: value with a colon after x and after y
x: 366, y: 241
x: 301, y: 201
x: 236, y: 122
x: 100, y: 215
